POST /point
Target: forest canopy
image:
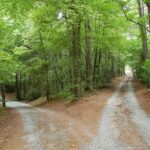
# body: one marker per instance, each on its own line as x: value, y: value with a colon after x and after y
x: 67, y: 47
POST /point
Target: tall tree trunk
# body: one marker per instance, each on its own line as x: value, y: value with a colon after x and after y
x: 148, y: 8
x: 47, y: 87
x: 99, y: 63
x: 18, y: 85
x: 3, y: 96
x: 95, y: 65
x: 76, y: 52
x: 69, y: 33
x: 143, y: 31
x: 88, y: 55
x: 24, y: 86
x: 97, y: 56
x: 114, y: 67
x: 149, y: 14
x: 76, y: 58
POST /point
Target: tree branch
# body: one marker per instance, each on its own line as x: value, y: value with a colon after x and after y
x: 28, y: 47
x: 129, y: 19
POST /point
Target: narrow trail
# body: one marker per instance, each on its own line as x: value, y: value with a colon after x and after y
x: 124, y: 125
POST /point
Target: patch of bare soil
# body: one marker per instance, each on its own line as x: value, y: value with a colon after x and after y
x: 87, y: 110
x: 143, y: 95
x: 11, y: 130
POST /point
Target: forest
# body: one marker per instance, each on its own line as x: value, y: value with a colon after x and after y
x: 65, y: 48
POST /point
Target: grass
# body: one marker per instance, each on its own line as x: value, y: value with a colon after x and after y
x: 2, y: 111
x: 39, y: 101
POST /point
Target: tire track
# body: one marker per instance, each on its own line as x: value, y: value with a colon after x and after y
x: 138, y: 115
x: 124, y: 125
x: 107, y: 137
x: 46, y: 130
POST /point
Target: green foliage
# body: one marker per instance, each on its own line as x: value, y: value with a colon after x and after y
x: 145, y: 72
x: 67, y: 95
x: 37, y: 42
x: 33, y: 94
x: 8, y: 67
x: 2, y: 111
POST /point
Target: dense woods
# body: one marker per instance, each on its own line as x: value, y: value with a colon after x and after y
x: 67, y: 47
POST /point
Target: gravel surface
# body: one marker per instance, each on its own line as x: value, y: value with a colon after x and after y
x: 48, y: 130
x: 106, y: 138
x: 122, y: 114
x: 123, y: 125
x: 139, y: 117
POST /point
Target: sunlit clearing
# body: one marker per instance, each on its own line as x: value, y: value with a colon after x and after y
x: 128, y: 71
x: 60, y: 15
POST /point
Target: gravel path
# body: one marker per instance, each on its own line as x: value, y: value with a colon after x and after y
x: 106, y: 138
x: 124, y: 125
x: 48, y: 130
x: 139, y: 117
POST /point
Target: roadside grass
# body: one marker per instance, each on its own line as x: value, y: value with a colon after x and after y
x: 2, y: 111
x: 38, y: 102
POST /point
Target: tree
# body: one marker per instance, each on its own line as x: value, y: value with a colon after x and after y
x: 148, y: 8
x: 70, y: 47
x: 7, y: 69
x: 143, y: 30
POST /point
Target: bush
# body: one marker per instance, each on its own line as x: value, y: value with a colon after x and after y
x: 2, y: 111
x: 145, y: 72
x: 33, y: 94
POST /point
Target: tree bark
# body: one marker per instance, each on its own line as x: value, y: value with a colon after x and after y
x: 47, y: 87
x: 3, y: 96
x: 18, y: 85
x: 88, y: 55
x: 76, y: 58
x: 76, y: 52
x: 143, y: 31
x: 95, y: 66
x: 97, y: 56
x: 24, y: 87
x: 148, y: 9
x: 114, y: 67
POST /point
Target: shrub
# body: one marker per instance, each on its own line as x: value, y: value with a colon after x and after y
x: 33, y: 94
x: 145, y: 72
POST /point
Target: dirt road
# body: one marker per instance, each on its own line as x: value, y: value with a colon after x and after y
x: 48, y: 130
x: 123, y: 125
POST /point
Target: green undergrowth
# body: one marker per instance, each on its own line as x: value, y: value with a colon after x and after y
x: 2, y: 111
x: 38, y: 102
x: 145, y: 73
